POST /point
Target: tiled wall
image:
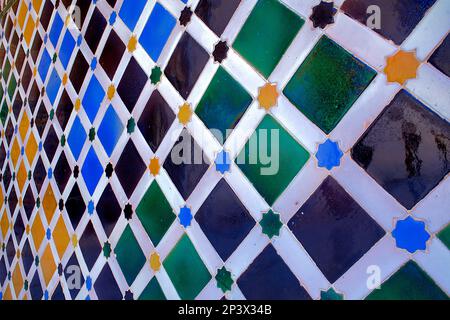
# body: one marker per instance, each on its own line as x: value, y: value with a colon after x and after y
x: 94, y: 103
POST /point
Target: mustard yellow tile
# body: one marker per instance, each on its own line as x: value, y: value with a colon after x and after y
x: 21, y: 176
x: 29, y: 29
x: 4, y: 224
x: 24, y: 125
x: 49, y: 203
x: 1, y: 198
x: 37, y: 5
x: 7, y: 295
x: 15, y: 152
x: 37, y: 232
x: 17, y: 280
x: 61, y: 237
x: 22, y: 13
x: 48, y: 264
x: 31, y: 149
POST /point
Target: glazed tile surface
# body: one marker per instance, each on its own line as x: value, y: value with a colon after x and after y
x: 317, y: 149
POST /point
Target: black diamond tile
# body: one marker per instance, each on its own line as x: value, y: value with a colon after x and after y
x: 216, y: 14
x: 62, y: 172
x: 440, y: 59
x: 9, y: 131
x: 19, y: 228
x: 58, y: 294
x: 41, y: 119
x: 6, y: 177
x: 83, y: 5
x: 155, y: 120
x: 335, y: 231
x: 108, y: 210
x: 95, y: 30
x: 224, y: 219
x: 269, y: 278
x: 75, y: 206
x: 33, y: 97
x: 3, y: 271
x: 2, y: 156
x: 130, y: 168
x: 27, y: 256
x: 68, y: 273
x: 46, y: 14
x: 17, y: 105
x: 131, y: 84
x: 35, y: 287
x: 79, y: 70
x: 406, y: 150
x: 112, y: 54
x: 106, y: 286
x: 90, y: 246
x: 186, y: 175
x: 64, y: 110
x: 20, y: 59
x: 10, y: 251
x: 12, y: 200
x: 186, y: 64
x: 14, y: 43
x: 36, y: 47
x: 51, y: 143
x: 39, y: 174
x: 26, y: 77
x: 29, y: 202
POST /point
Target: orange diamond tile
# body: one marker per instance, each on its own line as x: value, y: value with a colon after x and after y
x: 61, y: 237
x: 49, y: 203
x: 17, y: 280
x: 24, y: 125
x: 15, y: 152
x: 22, y: 14
x: 4, y: 224
x: 31, y: 149
x: 21, y: 176
x: 37, y: 5
x: 48, y: 264
x: 38, y: 232
x: 29, y: 29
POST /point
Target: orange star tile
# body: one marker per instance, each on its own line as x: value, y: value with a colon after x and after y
x: 401, y: 67
x: 185, y: 114
x: 155, y: 262
x: 154, y: 166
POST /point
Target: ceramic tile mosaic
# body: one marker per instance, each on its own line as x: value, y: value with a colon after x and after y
x: 315, y: 160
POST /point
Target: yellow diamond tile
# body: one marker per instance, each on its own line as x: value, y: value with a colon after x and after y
x: 38, y: 232
x: 48, y: 264
x: 31, y: 149
x: 37, y: 5
x: 28, y: 33
x: 1, y: 197
x: 4, y: 224
x: 61, y: 237
x: 49, y: 203
x: 21, y: 176
x: 17, y: 280
x: 22, y: 14
x: 24, y: 125
x: 15, y: 152
x: 7, y: 294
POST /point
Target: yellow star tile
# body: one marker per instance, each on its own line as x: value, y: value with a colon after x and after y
x: 64, y: 79
x: 401, y: 67
x: 268, y: 96
x: 24, y: 125
x: 132, y: 43
x: 48, y: 265
x: 37, y: 232
x: 61, y: 237
x: 22, y: 176
x: 111, y: 92
x: 185, y: 114
x: 154, y: 166
x: 27, y: 229
x: 74, y: 240
x: 31, y: 149
x: 77, y: 104
x: 155, y: 262
x: 49, y: 203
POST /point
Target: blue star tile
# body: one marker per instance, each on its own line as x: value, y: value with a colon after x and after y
x: 93, y: 98
x: 185, y: 216
x: 329, y: 155
x: 92, y: 171
x: 223, y: 162
x: 157, y: 31
x: 411, y: 235
x: 76, y: 138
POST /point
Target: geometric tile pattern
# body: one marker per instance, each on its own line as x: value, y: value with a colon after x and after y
x: 95, y: 96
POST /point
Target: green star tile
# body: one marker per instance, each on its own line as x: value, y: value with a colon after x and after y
x: 271, y: 179
x: 409, y: 283
x: 186, y: 269
x: 129, y: 255
x: 271, y: 224
x: 155, y: 76
x: 223, y: 103
x: 327, y: 84
x: 266, y: 35
x: 155, y: 213
x: 224, y: 279
x: 331, y: 294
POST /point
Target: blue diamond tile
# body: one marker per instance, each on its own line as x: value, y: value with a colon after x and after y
x: 67, y: 46
x: 93, y: 98
x: 131, y: 11
x: 76, y: 138
x: 92, y: 170
x: 55, y: 31
x: 110, y: 130
x: 53, y: 86
x: 44, y: 65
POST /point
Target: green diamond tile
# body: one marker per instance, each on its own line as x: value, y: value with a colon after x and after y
x: 223, y: 103
x: 155, y: 213
x: 291, y: 156
x: 152, y: 291
x: 12, y: 86
x: 327, y: 84
x: 409, y: 283
x: 186, y: 269
x: 444, y: 236
x: 267, y: 33
x: 4, y: 112
x: 129, y: 255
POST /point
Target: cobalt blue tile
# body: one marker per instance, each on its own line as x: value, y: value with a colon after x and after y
x: 224, y: 219
x: 58, y: 293
x: 92, y: 170
x: 106, y: 286
x: 131, y: 11
x: 3, y: 271
x: 55, y: 31
x: 406, y: 150
x: 76, y: 138
x: 44, y: 65
x: 35, y: 287
x: 398, y: 17
x: 110, y: 130
x: 27, y: 257
x: 67, y: 46
x: 269, y: 278
x: 93, y: 98
x: 53, y: 86
x: 157, y: 31
x: 440, y: 58
x: 335, y: 231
